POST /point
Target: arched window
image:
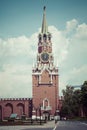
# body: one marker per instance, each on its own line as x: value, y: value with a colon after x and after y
x: 49, y: 37
x: 45, y: 103
x: 44, y: 37
x: 40, y: 37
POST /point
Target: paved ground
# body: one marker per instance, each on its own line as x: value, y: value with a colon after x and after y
x: 48, y: 126
x: 71, y: 125
x: 61, y: 125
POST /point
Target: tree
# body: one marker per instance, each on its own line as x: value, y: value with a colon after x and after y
x: 67, y: 102
x: 84, y: 97
x: 84, y: 93
x: 77, y: 97
x: 71, y: 102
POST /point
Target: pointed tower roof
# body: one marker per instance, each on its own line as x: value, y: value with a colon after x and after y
x: 44, y: 23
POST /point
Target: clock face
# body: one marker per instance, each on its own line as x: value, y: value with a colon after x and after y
x: 45, y: 57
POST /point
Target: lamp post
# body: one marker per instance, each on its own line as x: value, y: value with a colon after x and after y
x: 40, y: 113
x: 36, y: 112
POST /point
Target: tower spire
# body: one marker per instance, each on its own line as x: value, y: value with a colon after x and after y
x: 44, y: 23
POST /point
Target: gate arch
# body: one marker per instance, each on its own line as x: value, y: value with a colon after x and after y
x: 0, y: 112
x: 20, y: 107
x: 8, y: 109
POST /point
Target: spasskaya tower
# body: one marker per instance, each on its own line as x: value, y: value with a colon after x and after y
x: 45, y: 74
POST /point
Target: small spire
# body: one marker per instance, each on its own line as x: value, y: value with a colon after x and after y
x: 44, y: 23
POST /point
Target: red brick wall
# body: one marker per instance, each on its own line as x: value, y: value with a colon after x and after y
x: 45, y: 90
x: 18, y: 105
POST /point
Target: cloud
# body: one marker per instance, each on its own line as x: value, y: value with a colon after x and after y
x: 15, y: 80
x: 74, y: 68
x: 71, y: 25
x: 82, y: 31
x: 16, y: 66
x: 18, y: 53
x: 60, y: 44
x: 78, y: 71
x: 18, y: 46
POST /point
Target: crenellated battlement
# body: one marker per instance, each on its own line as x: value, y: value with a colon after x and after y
x: 16, y: 99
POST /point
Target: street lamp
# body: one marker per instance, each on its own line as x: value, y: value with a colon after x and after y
x: 35, y: 111
x: 40, y: 113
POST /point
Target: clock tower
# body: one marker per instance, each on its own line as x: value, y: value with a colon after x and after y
x: 45, y: 74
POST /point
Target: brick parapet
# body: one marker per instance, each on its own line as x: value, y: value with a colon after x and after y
x: 16, y: 99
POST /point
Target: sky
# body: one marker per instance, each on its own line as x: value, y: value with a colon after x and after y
x: 20, y: 24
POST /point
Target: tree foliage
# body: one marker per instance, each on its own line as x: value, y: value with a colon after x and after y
x: 71, y: 102
x: 84, y: 97
x: 84, y: 93
x: 74, y: 100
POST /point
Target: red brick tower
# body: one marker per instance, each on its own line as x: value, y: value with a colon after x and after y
x: 45, y: 74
